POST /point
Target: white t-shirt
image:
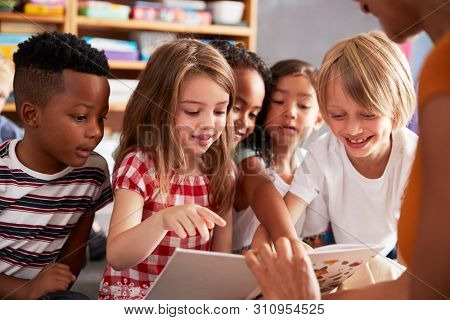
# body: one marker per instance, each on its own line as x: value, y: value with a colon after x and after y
x: 361, y: 210
x: 245, y: 222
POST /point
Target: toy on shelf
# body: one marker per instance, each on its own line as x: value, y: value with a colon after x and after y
x: 115, y: 49
x: 45, y: 7
x: 151, y: 11
x: 104, y: 10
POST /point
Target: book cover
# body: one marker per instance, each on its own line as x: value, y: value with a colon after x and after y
x: 203, y: 275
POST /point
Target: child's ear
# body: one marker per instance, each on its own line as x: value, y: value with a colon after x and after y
x: 29, y: 113
x: 319, y: 122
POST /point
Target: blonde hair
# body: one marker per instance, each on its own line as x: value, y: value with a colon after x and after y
x: 374, y: 72
x: 6, y: 71
x: 149, y: 121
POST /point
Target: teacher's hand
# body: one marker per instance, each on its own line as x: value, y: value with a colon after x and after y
x: 286, y: 274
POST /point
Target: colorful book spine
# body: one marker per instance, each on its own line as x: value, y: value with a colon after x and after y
x: 104, y: 10
x: 9, y: 42
x: 44, y: 9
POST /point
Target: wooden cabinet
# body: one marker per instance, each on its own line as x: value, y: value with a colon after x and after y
x: 72, y: 22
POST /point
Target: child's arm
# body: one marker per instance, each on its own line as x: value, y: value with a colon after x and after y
x: 54, y: 277
x: 223, y: 237
x: 265, y: 200
x: 132, y: 240
x: 295, y: 206
x: 73, y: 252
x: 261, y: 237
x: 302, y: 191
x: 14, y: 288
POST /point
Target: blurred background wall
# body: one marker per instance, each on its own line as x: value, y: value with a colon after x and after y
x: 305, y: 29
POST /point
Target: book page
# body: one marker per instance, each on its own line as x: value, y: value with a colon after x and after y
x: 335, y: 264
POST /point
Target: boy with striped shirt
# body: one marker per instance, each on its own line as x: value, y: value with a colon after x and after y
x: 51, y: 181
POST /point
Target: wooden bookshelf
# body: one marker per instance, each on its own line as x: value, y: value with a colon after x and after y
x: 117, y: 107
x: 163, y: 26
x: 73, y: 23
x: 85, y: 26
x: 126, y: 65
x: 20, y: 17
x: 9, y: 107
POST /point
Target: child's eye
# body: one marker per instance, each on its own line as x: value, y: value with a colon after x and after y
x: 191, y: 113
x: 337, y: 116
x: 304, y: 106
x: 236, y: 108
x: 368, y: 116
x: 220, y: 112
x: 79, y: 118
x: 279, y: 102
x: 253, y: 115
x: 103, y: 118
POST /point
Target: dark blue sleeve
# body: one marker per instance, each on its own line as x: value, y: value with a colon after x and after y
x: 9, y: 130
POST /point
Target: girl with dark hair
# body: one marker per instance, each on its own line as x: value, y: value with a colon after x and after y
x: 290, y: 114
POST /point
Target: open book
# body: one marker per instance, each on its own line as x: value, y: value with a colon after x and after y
x: 335, y: 263
x: 205, y: 275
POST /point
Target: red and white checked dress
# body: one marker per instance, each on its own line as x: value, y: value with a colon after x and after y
x: 137, y: 172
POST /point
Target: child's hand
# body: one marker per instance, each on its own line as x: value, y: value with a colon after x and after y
x: 186, y: 218
x: 53, y: 277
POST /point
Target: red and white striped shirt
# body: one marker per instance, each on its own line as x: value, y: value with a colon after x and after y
x: 38, y: 211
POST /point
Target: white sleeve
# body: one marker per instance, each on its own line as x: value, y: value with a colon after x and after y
x: 316, y: 217
x: 308, y: 179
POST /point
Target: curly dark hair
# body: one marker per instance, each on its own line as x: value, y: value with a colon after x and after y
x: 260, y: 140
x: 41, y: 59
x: 238, y: 56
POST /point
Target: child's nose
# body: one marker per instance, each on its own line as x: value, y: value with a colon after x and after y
x: 245, y: 122
x: 94, y: 131
x: 240, y: 122
x: 353, y: 127
x: 291, y: 112
x: 207, y: 121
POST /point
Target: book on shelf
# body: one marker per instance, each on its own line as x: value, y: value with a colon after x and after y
x: 104, y: 10
x: 186, y: 4
x: 115, y: 49
x: 43, y: 9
